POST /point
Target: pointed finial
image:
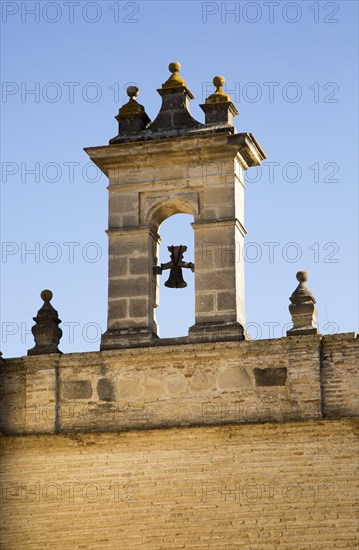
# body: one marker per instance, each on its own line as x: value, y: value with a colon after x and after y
x: 174, y: 81
x: 302, y: 293
x: 46, y: 331
x: 302, y: 308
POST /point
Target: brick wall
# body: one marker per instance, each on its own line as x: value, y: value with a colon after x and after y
x: 251, y: 486
x: 340, y: 375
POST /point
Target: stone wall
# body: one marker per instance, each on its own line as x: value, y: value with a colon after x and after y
x: 231, y: 445
x: 251, y: 486
x: 293, y: 378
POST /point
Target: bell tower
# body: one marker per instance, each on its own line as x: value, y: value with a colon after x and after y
x: 176, y: 164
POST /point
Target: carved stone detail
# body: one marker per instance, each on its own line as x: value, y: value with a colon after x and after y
x: 46, y: 331
x: 302, y: 308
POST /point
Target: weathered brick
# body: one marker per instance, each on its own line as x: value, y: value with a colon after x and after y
x: 291, y: 486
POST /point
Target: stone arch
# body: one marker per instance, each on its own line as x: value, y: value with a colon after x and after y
x: 166, y: 208
x: 176, y: 229
x: 158, y: 212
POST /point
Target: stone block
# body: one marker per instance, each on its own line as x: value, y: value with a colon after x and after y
x: 202, y: 379
x: 139, y: 266
x: 118, y: 266
x: 270, y: 377
x: 233, y: 378
x: 227, y: 255
x: 129, y: 286
x: 77, y: 389
x: 123, y: 203
x: 138, y: 308
x: 121, y: 336
x: 219, y: 279
x: 105, y: 389
x: 128, y: 389
x: 130, y: 220
x: 226, y: 301
x: 117, y: 309
x: 204, y: 302
x: 153, y: 388
x: 205, y: 255
x: 220, y: 195
x: 176, y: 384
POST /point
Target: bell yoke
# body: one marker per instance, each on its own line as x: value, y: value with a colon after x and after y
x: 175, y: 279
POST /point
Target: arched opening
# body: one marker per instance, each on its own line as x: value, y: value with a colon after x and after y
x: 175, y: 313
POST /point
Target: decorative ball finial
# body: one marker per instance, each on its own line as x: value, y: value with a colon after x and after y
x: 302, y: 276
x: 219, y: 96
x: 175, y: 80
x: 46, y: 295
x: 132, y: 117
x: 174, y: 67
x: 219, y: 82
x: 302, y: 308
x: 132, y: 92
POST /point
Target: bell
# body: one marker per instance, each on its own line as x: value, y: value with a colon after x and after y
x: 175, y: 279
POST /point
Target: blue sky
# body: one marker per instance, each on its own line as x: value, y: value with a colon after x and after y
x: 290, y: 68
